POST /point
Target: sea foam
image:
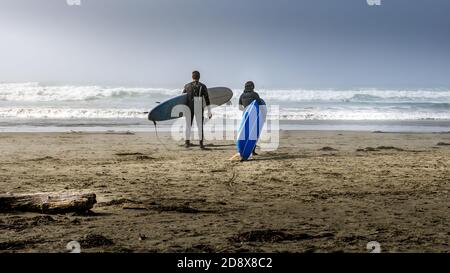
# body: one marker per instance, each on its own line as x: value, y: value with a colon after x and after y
x: 37, y: 101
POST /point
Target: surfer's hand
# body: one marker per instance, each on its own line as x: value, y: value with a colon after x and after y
x: 209, y: 112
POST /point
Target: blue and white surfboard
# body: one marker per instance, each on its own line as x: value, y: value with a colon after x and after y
x: 250, y: 129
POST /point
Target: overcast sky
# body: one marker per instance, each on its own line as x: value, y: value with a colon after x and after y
x: 278, y: 43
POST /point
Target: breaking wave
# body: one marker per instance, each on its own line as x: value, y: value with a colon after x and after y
x: 21, y: 101
x: 35, y: 92
x: 231, y: 112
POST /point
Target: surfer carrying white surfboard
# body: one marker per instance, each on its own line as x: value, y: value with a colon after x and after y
x: 197, y: 100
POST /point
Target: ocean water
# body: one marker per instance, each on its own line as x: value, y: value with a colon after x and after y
x: 38, y: 107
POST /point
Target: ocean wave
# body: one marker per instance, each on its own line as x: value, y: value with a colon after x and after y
x: 359, y: 95
x: 35, y: 92
x: 43, y: 113
x: 362, y: 115
x: 64, y: 113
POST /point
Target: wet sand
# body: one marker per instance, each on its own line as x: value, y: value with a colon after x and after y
x: 319, y: 192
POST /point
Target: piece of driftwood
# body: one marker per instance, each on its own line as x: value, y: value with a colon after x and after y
x: 50, y: 202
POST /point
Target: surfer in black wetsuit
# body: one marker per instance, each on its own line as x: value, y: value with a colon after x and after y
x: 197, y: 100
x: 247, y: 97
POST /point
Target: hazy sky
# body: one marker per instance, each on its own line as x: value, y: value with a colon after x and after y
x: 278, y: 43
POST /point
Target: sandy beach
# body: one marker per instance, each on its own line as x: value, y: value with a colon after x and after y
x: 319, y: 192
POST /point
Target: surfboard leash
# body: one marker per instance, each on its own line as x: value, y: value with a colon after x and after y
x: 157, y: 137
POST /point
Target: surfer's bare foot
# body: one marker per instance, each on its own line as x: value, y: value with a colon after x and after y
x: 235, y: 157
x: 187, y: 144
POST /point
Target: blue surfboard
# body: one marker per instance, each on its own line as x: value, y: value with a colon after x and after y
x: 250, y: 129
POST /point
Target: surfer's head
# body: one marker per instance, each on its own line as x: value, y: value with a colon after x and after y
x: 195, y: 75
x: 249, y: 85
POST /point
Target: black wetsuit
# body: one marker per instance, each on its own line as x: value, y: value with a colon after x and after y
x: 197, y: 89
x: 247, y: 98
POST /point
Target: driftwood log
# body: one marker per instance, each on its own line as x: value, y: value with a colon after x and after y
x: 49, y: 203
